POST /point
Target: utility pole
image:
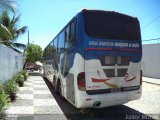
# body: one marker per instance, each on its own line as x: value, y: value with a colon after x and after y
x: 28, y: 37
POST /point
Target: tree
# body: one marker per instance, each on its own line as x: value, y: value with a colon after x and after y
x: 6, y: 5
x: 11, y: 30
x: 33, y: 53
x: 5, y: 34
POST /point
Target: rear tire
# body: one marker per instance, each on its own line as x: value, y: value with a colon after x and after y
x: 57, y: 87
x: 54, y: 83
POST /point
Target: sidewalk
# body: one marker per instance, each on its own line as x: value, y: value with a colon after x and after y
x: 151, y: 80
x: 34, y: 102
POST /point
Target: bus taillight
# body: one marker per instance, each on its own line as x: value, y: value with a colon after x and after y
x: 81, y: 81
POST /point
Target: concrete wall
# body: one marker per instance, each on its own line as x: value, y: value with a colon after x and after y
x: 151, y: 60
x: 10, y: 63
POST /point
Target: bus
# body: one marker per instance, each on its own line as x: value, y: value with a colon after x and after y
x: 95, y: 60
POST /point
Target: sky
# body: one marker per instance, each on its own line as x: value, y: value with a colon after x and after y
x: 45, y: 18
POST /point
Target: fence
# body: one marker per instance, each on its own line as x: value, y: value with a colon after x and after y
x: 10, y: 63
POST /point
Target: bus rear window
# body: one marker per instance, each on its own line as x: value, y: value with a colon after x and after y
x: 111, y: 25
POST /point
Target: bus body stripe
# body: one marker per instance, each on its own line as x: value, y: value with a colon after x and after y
x: 99, y: 49
x: 100, y: 80
x: 116, y: 49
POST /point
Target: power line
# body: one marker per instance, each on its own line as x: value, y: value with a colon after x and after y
x: 151, y: 22
x: 152, y: 39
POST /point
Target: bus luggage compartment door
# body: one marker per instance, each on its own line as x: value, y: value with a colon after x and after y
x: 70, y: 88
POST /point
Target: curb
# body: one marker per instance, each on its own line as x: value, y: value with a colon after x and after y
x: 152, y: 83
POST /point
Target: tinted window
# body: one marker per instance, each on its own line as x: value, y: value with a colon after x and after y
x: 49, y: 50
x: 112, y: 60
x: 67, y: 34
x: 55, y: 44
x: 44, y: 53
x: 61, y: 42
x: 70, y: 35
x: 123, y: 60
x: 111, y: 25
x: 109, y: 72
x: 121, y: 72
x: 72, y: 31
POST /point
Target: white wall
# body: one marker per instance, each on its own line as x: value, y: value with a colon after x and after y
x: 151, y: 60
x: 10, y: 63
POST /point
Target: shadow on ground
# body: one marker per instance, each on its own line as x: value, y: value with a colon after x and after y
x: 120, y: 112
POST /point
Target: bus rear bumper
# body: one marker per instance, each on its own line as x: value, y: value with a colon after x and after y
x: 107, y: 99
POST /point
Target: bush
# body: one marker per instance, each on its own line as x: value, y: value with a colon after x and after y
x: 19, y: 78
x: 25, y: 74
x: 3, y: 102
x: 10, y: 89
x: 1, y: 88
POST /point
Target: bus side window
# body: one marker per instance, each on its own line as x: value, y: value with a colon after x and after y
x: 67, y: 37
x: 55, y: 44
x: 51, y: 49
x: 72, y: 34
x: 44, y: 53
x: 47, y: 52
x: 61, y: 42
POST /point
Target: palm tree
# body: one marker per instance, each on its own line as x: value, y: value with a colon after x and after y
x: 10, y: 28
x: 5, y: 35
x: 6, y: 5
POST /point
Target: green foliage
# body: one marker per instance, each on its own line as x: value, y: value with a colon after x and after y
x: 5, y: 35
x: 25, y: 74
x: 10, y: 89
x: 33, y: 53
x: 9, y: 28
x: 6, y: 5
x: 19, y: 78
x: 3, y: 101
x: 1, y: 88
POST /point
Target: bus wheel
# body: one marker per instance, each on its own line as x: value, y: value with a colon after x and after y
x: 57, y: 87
x: 54, y: 82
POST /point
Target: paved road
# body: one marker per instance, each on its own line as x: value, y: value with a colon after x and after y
x: 147, y: 107
x: 45, y: 104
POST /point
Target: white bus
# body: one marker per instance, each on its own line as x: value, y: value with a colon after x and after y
x: 95, y: 60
